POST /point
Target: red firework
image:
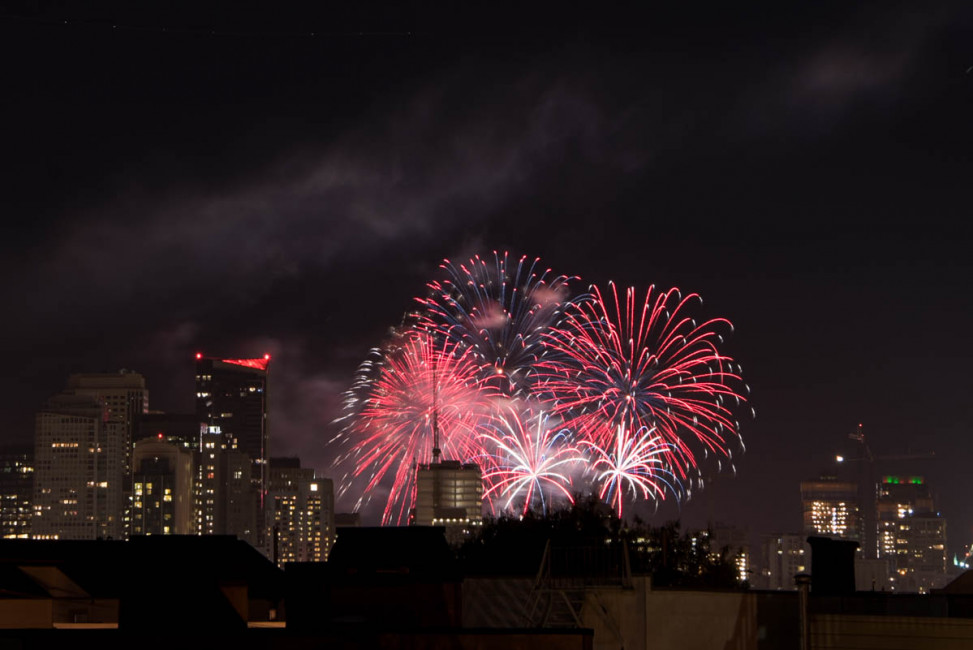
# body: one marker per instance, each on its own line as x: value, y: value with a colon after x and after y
x: 422, y: 387
x: 629, y: 366
x: 528, y: 461
x: 636, y: 464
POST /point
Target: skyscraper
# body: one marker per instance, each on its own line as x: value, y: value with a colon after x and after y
x: 79, y: 457
x: 300, y: 512
x: 162, y: 489
x: 125, y: 399
x: 831, y: 508
x: 231, y: 395
x: 231, y: 401
x: 912, y: 534
x: 226, y: 501
x: 16, y: 490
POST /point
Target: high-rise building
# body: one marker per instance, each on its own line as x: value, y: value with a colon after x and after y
x: 231, y: 395
x: 449, y: 494
x: 300, y: 513
x: 226, y: 502
x: 125, y: 398
x: 162, y: 483
x: 16, y: 490
x: 912, y: 535
x: 831, y: 508
x: 231, y: 401
x: 79, y: 476
x: 898, y: 498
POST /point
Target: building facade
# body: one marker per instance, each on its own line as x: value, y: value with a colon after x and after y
x: 299, y: 513
x: 163, y: 495
x: 830, y: 508
x: 79, y: 476
x: 16, y: 490
x: 911, y: 533
x: 783, y: 556
x: 449, y: 494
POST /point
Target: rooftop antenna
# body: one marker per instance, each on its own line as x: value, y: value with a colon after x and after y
x: 436, y: 451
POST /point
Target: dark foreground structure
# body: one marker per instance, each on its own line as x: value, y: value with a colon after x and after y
x: 400, y: 588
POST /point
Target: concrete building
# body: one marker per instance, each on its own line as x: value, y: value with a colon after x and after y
x: 163, y: 495
x: 79, y: 477
x: 450, y: 494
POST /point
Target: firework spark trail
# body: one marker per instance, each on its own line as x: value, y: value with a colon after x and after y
x: 497, y: 309
x: 499, y: 351
x: 418, y: 387
x: 614, y: 366
x: 636, y: 463
x: 526, y: 456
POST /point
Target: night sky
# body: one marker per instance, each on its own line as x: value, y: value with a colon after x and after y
x: 233, y: 182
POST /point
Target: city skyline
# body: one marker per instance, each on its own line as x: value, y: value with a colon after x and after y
x: 804, y: 170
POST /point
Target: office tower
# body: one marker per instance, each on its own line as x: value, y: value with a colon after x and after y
x: 831, y: 508
x: 899, y: 498
x: 231, y: 394
x: 125, y: 398
x: 231, y: 400
x: 300, y: 513
x: 226, y: 502
x: 162, y: 486
x: 912, y: 534
x: 450, y: 494
x: 16, y: 490
x: 79, y: 475
x: 784, y: 556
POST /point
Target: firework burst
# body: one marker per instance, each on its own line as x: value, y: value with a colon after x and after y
x: 499, y: 310
x: 627, y: 366
x: 528, y: 461
x: 413, y: 390
x: 636, y: 465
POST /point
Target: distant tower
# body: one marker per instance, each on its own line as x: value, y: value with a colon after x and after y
x: 912, y: 535
x: 226, y: 502
x: 80, y: 462
x: 162, y: 489
x: 126, y: 399
x: 450, y: 494
x: 300, y: 512
x: 16, y: 490
x: 231, y: 394
x: 231, y: 401
x: 831, y: 508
